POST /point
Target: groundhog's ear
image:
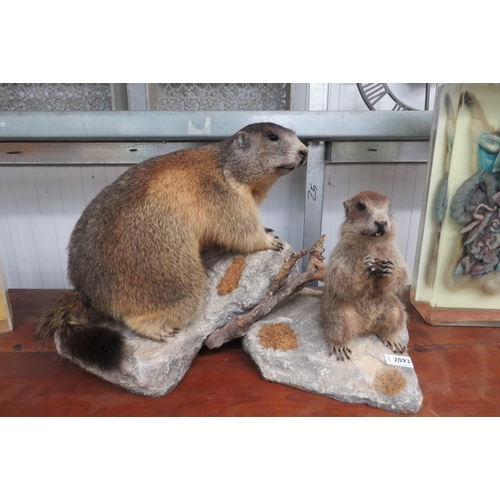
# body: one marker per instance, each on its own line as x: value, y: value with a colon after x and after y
x: 346, y: 207
x: 242, y: 140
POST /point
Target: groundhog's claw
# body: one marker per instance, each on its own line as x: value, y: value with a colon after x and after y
x: 384, y: 268
x: 269, y: 230
x: 341, y: 353
x: 396, y: 347
x: 277, y: 245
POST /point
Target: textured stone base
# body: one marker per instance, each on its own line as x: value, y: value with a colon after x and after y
x: 287, y: 345
x: 155, y: 368
x: 364, y: 379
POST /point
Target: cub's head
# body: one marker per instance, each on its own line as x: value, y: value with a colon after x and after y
x: 369, y: 214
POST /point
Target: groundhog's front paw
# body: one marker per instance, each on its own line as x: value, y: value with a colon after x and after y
x: 396, y: 346
x: 275, y: 243
x: 341, y: 353
x: 369, y: 264
x: 384, y: 268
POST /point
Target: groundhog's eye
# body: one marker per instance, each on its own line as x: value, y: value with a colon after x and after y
x: 273, y: 137
x: 361, y: 206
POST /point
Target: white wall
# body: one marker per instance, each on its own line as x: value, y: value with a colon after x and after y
x: 39, y: 206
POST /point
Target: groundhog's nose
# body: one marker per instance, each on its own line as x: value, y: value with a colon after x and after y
x: 303, y: 153
x: 381, y: 225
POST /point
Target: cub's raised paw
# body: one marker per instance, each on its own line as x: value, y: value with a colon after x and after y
x: 396, y: 346
x: 369, y: 264
x: 384, y: 268
x: 341, y: 353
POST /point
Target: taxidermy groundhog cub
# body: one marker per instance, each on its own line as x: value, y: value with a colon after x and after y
x: 135, y: 252
x: 365, y: 277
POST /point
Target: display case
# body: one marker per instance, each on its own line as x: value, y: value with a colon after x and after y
x: 457, y: 271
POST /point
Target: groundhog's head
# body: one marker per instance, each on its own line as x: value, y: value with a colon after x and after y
x: 262, y: 152
x: 369, y: 214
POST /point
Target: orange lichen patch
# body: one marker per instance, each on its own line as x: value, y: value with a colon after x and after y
x: 278, y: 336
x: 231, y: 279
x: 389, y: 381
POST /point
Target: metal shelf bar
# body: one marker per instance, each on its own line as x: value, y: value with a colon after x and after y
x: 209, y: 125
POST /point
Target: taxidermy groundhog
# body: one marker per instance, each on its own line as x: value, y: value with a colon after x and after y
x: 365, y: 276
x: 135, y: 255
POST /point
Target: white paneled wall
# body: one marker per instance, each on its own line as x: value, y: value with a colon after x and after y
x: 283, y: 209
x: 39, y: 206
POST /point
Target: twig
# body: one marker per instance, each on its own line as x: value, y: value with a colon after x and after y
x: 282, y: 287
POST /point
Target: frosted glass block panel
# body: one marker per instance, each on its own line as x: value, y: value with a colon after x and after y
x: 55, y: 96
x: 219, y: 96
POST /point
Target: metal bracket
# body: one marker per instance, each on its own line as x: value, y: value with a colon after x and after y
x: 313, y: 212
x: 85, y: 153
x: 338, y: 152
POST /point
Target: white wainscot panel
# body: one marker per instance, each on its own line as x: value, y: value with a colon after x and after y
x: 39, y: 207
x: 283, y: 208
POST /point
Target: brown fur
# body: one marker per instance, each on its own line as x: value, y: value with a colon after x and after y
x: 135, y: 255
x: 365, y: 277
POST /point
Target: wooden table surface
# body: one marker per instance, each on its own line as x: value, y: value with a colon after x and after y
x: 458, y: 370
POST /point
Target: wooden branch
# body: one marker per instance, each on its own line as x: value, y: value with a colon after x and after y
x: 281, y: 288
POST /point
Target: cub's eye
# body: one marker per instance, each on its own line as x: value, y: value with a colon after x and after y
x: 273, y: 137
x: 361, y: 206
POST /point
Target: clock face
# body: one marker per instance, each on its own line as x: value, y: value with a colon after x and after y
x: 397, y: 96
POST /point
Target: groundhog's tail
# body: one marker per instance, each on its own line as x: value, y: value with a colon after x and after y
x: 81, y: 332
